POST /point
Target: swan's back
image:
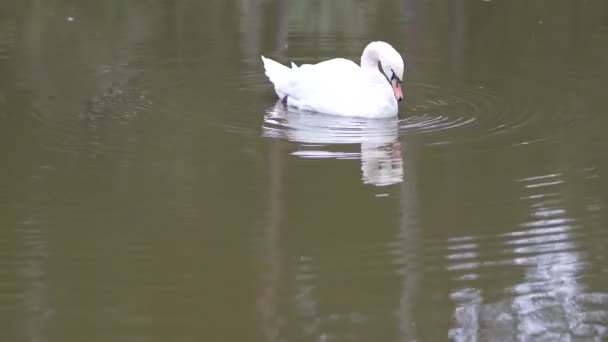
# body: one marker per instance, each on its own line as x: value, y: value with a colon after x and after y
x: 337, y: 86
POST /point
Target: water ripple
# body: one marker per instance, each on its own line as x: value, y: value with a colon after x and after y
x: 461, y: 112
x: 118, y: 106
x: 430, y: 108
x: 472, y: 113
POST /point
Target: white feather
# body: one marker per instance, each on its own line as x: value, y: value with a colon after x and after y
x: 339, y: 86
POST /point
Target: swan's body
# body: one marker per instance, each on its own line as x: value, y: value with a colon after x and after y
x: 341, y: 87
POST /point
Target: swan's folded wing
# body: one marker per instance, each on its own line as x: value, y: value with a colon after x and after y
x: 312, y: 82
x: 335, y: 86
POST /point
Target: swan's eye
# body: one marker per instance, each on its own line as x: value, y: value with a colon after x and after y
x: 395, y: 77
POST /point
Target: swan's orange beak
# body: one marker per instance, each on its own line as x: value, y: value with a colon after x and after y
x: 397, y: 89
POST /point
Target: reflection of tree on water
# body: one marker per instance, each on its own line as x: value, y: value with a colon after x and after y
x: 270, y: 249
x: 324, y: 136
x: 351, y: 17
x: 546, y: 304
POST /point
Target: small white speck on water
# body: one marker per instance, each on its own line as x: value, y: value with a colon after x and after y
x: 70, y: 18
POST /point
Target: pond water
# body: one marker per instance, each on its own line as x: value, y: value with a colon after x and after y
x: 152, y: 189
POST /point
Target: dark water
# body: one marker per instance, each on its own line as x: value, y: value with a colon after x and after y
x: 150, y: 189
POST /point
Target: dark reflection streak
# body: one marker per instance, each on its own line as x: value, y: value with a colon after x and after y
x: 34, y: 271
x: 251, y: 18
x: 408, y: 228
x: 408, y: 236
x: 414, y: 12
x: 35, y: 242
x: 271, y: 253
x: 282, y: 31
x: 457, y: 34
x: 180, y: 34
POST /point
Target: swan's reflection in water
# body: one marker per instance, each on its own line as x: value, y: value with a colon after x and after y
x: 326, y: 136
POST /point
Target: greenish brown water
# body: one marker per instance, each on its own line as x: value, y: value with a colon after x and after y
x: 152, y: 190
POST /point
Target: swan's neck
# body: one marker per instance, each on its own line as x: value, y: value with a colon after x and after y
x: 369, y: 58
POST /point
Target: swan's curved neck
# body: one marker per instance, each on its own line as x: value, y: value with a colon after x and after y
x: 370, y: 58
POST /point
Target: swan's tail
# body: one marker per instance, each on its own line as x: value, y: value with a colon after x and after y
x: 278, y: 74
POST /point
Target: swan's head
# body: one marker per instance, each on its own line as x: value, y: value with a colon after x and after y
x: 389, y: 63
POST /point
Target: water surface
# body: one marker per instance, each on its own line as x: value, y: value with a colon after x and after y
x: 153, y: 190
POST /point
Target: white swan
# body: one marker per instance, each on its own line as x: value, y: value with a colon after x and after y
x: 341, y: 87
